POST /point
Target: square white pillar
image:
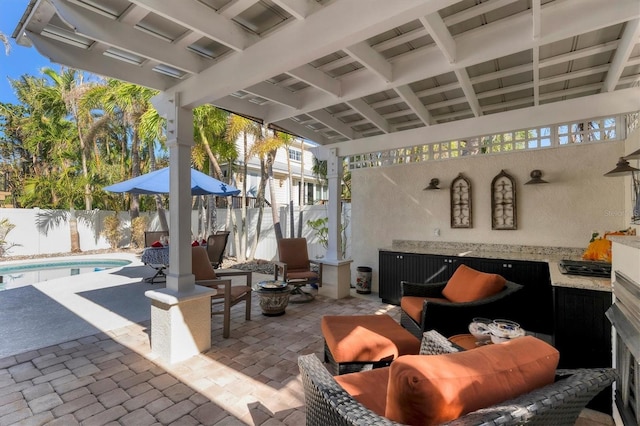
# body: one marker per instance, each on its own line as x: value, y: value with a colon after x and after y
x: 336, y: 278
x: 180, y: 323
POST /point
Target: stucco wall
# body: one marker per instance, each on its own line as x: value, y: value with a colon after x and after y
x: 389, y: 202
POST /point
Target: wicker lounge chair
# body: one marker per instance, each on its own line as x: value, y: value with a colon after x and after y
x: 560, y: 403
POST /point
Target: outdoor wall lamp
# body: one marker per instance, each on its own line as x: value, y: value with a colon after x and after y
x: 433, y: 184
x: 623, y: 169
x: 536, y: 178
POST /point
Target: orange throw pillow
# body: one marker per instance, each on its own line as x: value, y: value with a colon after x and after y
x: 468, y: 285
x: 430, y: 390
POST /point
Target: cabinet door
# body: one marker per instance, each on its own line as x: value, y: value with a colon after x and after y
x: 396, y: 267
x: 583, y: 333
x: 533, y: 306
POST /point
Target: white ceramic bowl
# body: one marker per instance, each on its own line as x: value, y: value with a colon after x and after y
x: 479, y: 328
x: 505, y: 330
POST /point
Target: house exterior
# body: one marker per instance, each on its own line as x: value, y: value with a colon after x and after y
x: 308, y: 189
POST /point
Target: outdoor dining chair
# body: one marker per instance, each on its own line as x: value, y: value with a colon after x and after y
x: 228, y: 295
x: 216, y: 244
x: 295, y: 266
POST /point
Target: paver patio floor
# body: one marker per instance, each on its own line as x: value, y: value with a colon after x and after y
x: 113, y: 378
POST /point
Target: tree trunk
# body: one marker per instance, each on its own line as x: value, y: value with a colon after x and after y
x: 290, y: 179
x: 73, y: 230
x: 272, y: 194
x: 260, y: 203
x: 135, y: 171
x: 162, y: 214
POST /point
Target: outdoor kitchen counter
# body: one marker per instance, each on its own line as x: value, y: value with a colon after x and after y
x: 551, y: 255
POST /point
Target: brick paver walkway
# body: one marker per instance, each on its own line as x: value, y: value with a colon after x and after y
x: 251, y: 378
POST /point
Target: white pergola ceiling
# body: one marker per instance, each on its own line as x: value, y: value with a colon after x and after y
x: 358, y: 75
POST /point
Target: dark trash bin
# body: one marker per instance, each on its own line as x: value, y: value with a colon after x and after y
x: 363, y: 280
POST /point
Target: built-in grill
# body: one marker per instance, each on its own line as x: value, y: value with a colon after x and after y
x: 585, y: 268
x: 625, y: 317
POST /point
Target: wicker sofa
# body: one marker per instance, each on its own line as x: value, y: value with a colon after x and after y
x: 559, y: 403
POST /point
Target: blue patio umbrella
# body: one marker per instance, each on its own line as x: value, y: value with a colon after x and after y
x: 158, y: 183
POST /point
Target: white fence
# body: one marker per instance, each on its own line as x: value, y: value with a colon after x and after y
x: 40, y: 231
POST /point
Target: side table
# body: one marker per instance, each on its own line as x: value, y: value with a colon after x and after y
x: 274, y: 297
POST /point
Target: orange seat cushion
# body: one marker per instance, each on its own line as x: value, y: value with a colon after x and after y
x: 359, y: 386
x: 467, y: 285
x: 429, y: 390
x: 362, y: 338
x: 412, y: 305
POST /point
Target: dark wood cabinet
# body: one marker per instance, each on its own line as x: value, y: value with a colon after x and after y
x: 533, y: 308
x: 396, y: 267
x: 583, y: 333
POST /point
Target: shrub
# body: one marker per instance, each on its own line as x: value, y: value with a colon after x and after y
x: 138, y: 226
x: 112, y: 230
x: 5, y: 228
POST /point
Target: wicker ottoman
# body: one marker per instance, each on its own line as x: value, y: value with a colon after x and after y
x: 362, y: 342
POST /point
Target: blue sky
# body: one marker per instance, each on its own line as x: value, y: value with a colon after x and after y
x: 21, y: 60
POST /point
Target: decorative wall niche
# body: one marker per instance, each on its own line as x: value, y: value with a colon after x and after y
x: 503, y: 202
x: 461, y: 213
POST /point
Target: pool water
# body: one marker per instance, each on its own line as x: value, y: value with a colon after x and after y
x: 18, y: 275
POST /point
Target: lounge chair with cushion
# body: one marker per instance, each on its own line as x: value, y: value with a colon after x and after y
x: 511, y: 383
x: 295, y: 268
x: 449, y: 307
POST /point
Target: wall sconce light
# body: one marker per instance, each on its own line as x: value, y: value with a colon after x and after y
x: 433, y: 184
x: 635, y: 155
x: 536, y: 178
x: 623, y: 169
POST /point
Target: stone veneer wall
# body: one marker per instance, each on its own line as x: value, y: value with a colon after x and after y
x: 389, y: 203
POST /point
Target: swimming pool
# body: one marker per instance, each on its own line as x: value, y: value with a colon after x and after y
x: 18, y: 275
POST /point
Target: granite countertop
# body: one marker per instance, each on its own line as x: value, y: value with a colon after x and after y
x: 551, y: 255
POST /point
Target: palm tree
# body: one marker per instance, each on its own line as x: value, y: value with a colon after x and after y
x: 5, y: 41
x: 133, y: 102
x: 240, y: 126
x: 70, y: 86
x: 209, y: 134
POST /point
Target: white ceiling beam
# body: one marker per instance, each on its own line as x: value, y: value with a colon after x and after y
x: 448, y: 103
x: 631, y: 80
x: 454, y: 115
x: 125, y: 37
x: 97, y: 63
x: 372, y: 60
x: 535, y: 12
x: 507, y: 72
x: 505, y: 90
x: 330, y: 121
x: 407, y: 37
x: 317, y: 79
x: 627, y: 43
x: 570, y: 92
x: 235, y: 8
x: 350, y: 23
x: 441, y: 35
x: 633, y: 61
x: 487, y: 43
x: 202, y: 19
x: 132, y: 15
x: 370, y: 114
x: 438, y: 89
x: 574, y: 74
x: 303, y: 131
x: 414, y: 104
x: 477, y: 10
x: 508, y: 105
x: 250, y: 109
x: 536, y: 74
x: 559, y: 21
x: 605, y: 104
x: 276, y: 94
x: 577, y: 54
x: 299, y: 9
x: 469, y: 93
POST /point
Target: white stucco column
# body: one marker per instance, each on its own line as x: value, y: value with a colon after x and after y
x: 336, y: 272
x: 181, y: 312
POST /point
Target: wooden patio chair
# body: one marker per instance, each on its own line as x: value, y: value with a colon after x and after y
x: 295, y: 266
x: 216, y: 244
x: 228, y: 295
